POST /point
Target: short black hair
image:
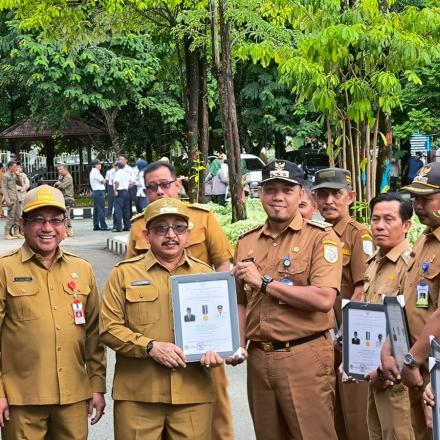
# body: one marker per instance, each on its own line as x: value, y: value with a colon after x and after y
x: 123, y: 155
x: 154, y: 166
x: 11, y: 163
x: 405, y: 209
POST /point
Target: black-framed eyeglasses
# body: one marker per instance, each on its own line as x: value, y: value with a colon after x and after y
x: 162, y: 230
x: 152, y: 187
x: 40, y: 221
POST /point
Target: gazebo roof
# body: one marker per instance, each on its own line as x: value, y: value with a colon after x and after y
x: 74, y: 128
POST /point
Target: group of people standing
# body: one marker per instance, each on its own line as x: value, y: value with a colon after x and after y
x: 13, y: 187
x: 291, y: 275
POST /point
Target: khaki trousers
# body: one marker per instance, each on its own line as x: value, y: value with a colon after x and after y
x: 155, y: 421
x: 47, y: 422
x: 13, y: 216
x: 389, y: 413
x: 291, y: 393
x: 222, y: 413
x: 421, y: 431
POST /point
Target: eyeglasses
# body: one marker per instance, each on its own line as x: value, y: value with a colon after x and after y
x: 162, y: 230
x: 40, y: 221
x: 152, y: 187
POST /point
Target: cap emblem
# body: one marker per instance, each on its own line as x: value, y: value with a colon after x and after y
x: 169, y: 210
x: 279, y: 170
x: 45, y: 195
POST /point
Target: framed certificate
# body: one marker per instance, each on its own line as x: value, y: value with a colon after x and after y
x: 205, y: 314
x: 397, y: 327
x: 434, y: 371
x: 364, y: 333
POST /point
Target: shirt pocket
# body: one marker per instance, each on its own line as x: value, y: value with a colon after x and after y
x: 82, y: 292
x: 297, y: 272
x: 142, y: 304
x: 431, y: 277
x: 22, y: 302
x: 197, y: 245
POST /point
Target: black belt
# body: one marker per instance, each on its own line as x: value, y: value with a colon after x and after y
x: 278, y: 345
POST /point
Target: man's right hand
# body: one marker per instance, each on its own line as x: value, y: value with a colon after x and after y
x: 389, y: 364
x: 4, y: 411
x: 168, y: 354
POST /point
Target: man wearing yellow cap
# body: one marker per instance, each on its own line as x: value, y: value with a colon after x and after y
x: 52, y: 366
x: 208, y: 243
x: 156, y: 392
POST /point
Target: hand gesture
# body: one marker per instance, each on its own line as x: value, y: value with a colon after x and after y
x: 168, y: 354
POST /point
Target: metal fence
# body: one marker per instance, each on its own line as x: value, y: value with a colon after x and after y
x: 31, y: 161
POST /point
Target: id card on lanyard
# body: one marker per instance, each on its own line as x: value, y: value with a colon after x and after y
x: 422, y: 288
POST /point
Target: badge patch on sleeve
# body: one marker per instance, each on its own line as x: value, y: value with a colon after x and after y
x: 331, y: 253
x: 368, y: 247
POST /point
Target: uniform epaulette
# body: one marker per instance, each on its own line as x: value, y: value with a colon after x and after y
x: 136, y: 216
x: 9, y: 253
x: 319, y: 223
x: 407, y: 257
x: 250, y: 230
x: 71, y: 254
x: 129, y: 260
x: 199, y: 261
x: 200, y: 206
x: 360, y: 226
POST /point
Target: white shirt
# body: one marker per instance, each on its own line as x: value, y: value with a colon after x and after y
x: 123, y: 178
x: 96, y: 180
x: 110, y: 176
x: 140, y: 183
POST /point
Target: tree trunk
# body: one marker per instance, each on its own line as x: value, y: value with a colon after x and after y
x: 279, y: 145
x: 223, y: 72
x: 192, y: 116
x: 344, y: 145
x: 330, y: 146
x: 203, y: 126
x: 110, y: 121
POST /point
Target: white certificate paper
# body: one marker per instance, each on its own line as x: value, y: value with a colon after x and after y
x: 207, y: 326
x: 366, y: 336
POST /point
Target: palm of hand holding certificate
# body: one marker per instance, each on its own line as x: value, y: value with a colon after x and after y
x: 205, y: 314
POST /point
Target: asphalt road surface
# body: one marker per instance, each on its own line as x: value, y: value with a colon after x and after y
x: 91, y: 245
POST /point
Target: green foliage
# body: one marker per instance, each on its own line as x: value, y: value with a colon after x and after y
x: 420, y: 121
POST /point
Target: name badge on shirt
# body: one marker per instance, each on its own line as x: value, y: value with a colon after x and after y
x: 422, y: 297
x: 78, y: 312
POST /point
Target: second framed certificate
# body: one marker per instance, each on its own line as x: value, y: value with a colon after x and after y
x: 364, y: 330
x: 205, y: 314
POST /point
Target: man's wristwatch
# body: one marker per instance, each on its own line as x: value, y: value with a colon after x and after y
x: 409, y: 360
x: 149, y: 347
x: 266, y: 279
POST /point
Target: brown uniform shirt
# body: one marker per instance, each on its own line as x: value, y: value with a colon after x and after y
x: 315, y: 258
x: 133, y: 315
x: 45, y: 357
x: 65, y: 185
x: 9, y: 185
x: 385, y: 275
x: 357, y: 247
x: 208, y: 242
x: 426, y: 249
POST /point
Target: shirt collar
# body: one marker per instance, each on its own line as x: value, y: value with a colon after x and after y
x: 27, y: 253
x: 296, y: 225
x: 395, y: 253
x: 151, y: 260
x: 435, y: 232
x: 339, y: 227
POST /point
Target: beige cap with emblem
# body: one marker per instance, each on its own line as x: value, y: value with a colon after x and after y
x: 43, y: 196
x: 165, y: 206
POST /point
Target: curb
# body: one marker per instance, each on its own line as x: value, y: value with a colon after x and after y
x: 117, y: 246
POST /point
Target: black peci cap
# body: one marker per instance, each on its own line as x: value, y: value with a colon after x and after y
x: 426, y: 182
x: 282, y: 170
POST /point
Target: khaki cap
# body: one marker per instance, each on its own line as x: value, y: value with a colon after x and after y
x: 332, y: 178
x: 42, y: 196
x: 165, y: 206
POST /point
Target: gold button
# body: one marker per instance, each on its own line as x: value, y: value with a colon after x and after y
x: 59, y: 348
x: 23, y: 291
x: 141, y: 295
x: 58, y: 327
x: 55, y: 307
x: 60, y: 370
x: 173, y: 370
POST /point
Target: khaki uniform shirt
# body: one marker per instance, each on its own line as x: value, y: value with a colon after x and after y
x: 65, y: 185
x: 133, y: 315
x: 426, y: 249
x: 207, y: 242
x: 9, y: 187
x: 357, y: 247
x: 315, y: 258
x: 385, y: 275
x: 45, y: 357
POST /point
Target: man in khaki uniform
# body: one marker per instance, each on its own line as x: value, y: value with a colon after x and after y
x: 10, y: 195
x: 288, y: 275
x: 421, y: 291
x: 207, y: 243
x: 52, y: 364
x: 156, y: 392
x: 65, y: 185
x: 389, y: 415
x: 334, y: 196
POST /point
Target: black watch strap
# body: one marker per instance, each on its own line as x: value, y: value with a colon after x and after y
x: 149, y: 347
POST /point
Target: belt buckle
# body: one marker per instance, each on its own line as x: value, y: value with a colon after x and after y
x: 267, y: 346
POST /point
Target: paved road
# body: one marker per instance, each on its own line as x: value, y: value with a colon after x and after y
x: 91, y: 245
